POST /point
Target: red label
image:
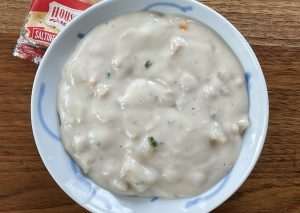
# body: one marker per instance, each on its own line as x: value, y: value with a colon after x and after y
x: 60, y: 15
x: 30, y: 53
x: 38, y: 33
x: 43, y: 5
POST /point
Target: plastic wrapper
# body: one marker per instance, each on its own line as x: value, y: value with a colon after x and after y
x: 45, y: 19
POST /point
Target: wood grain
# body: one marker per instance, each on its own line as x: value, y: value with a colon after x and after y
x: 273, y: 30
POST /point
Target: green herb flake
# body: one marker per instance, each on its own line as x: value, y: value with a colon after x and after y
x: 152, y: 142
x: 148, y: 64
x: 108, y: 74
x: 213, y: 116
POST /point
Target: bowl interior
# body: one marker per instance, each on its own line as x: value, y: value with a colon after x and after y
x: 45, y: 121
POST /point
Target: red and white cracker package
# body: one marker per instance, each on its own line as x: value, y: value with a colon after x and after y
x: 46, y: 18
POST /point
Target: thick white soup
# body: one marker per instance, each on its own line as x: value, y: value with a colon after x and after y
x: 153, y: 105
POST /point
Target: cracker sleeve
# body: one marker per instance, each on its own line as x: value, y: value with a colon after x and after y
x: 44, y: 20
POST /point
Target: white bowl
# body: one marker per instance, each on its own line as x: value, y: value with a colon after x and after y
x: 45, y: 121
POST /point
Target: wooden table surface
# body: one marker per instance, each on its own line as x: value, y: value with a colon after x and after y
x: 272, y: 27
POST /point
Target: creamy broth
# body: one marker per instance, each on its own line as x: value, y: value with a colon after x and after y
x: 153, y: 105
